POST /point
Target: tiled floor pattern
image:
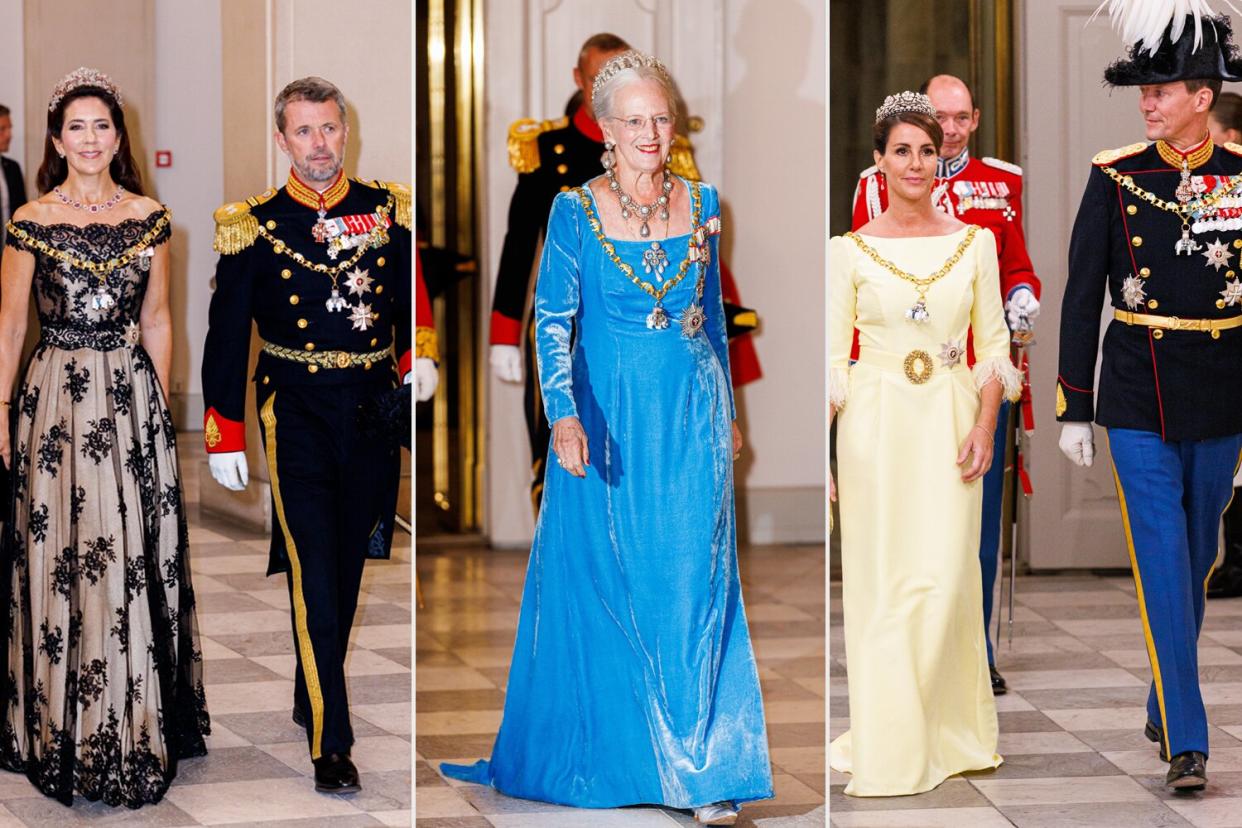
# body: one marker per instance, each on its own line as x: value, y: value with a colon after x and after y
x: 1072, y: 722
x: 257, y: 770
x: 464, y: 642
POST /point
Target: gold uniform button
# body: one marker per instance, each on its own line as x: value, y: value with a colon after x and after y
x: 1215, y: 334
x: 564, y: 188
x: 379, y: 289
x: 1237, y: 243
x: 374, y: 342
x: 266, y: 380
x: 1156, y: 334
x: 1144, y: 272
x: 310, y: 346
x: 285, y: 274
x: 1229, y: 274
x: 293, y: 300
x: 559, y: 149
x: 314, y: 369
x: 1131, y: 209
x: 1153, y: 304
x: 302, y: 323
x: 1220, y: 303
x: 1137, y: 241
x: 562, y: 168
x: 381, y: 261
x: 367, y: 364
x: 271, y: 225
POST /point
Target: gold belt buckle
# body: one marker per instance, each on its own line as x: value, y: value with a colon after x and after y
x: 342, y: 359
x: 923, y: 372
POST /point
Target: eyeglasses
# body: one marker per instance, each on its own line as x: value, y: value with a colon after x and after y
x: 662, y: 122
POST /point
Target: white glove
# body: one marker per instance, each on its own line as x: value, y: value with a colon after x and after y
x: 1022, y: 304
x: 1078, y: 443
x: 426, y: 378
x: 229, y: 469
x: 507, y: 363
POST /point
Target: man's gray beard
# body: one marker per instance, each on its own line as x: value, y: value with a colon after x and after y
x: 309, y: 174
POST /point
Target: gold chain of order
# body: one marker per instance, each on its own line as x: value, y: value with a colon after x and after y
x: 332, y: 271
x: 610, y: 249
x: 926, y: 282
x: 1180, y: 210
x: 100, y: 269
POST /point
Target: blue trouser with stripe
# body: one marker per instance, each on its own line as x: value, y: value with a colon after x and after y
x: 989, y: 526
x: 1172, y: 497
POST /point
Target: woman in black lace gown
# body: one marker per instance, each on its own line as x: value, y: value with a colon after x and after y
x: 103, y: 692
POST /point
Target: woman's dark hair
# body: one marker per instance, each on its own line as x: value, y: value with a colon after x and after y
x: 55, y: 169
x: 924, y: 122
x: 1227, y: 110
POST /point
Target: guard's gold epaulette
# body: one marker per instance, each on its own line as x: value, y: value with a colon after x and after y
x: 236, y: 226
x: 1112, y: 156
x: 523, y: 148
x: 1231, y: 147
x: 401, y: 195
x: 681, y: 159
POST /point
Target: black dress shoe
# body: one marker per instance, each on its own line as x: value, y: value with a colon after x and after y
x: 1187, y: 772
x: 299, y: 718
x: 336, y: 774
x: 1154, y: 734
x: 999, y: 688
x: 1225, y: 582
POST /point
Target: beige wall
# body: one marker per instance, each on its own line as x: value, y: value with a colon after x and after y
x: 13, y: 74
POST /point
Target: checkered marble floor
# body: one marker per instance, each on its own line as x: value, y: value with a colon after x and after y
x: 1072, y: 722
x: 257, y: 770
x: 463, y: 645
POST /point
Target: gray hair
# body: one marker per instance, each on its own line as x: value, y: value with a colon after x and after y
x: 624, y: 69
x: 313, y: 89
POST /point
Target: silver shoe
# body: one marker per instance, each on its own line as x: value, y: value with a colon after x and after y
x: 718, y: 813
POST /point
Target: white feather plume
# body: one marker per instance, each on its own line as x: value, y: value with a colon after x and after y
x: 1144, y: 21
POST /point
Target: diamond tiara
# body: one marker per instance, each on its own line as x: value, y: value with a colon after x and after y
x: 631, y: 59
x: 83, y: 76
x: 905, y: 102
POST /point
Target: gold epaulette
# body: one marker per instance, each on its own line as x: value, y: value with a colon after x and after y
x: 681, y: 159
x: 236, y: 226
x: 401, y: 195
x: 1233, y: 148
x: 1112, y: 156
x: 523, y: 146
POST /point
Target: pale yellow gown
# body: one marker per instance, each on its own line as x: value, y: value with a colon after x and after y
x: 921, y: 706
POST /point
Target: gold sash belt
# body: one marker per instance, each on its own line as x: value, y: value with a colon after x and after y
x: 327, y: 359
x: 1176, y: 323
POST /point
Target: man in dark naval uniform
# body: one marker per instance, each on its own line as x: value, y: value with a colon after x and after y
x: 1158, y: 228
x: 552, y: 157
x: 323, y: 267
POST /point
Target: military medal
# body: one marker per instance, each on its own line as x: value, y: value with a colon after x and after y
x: 1232, y: 294
x: 1185, y: 245
x: 320, y: 231
x: 1218, y: 254
x: 1185, y: 190
x: 360, y: 316
x: 1132, y: 292
x: 951, y: 353
x: 359, y: 281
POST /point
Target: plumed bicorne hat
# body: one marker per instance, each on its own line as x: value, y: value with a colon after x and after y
x: 1171, y: 40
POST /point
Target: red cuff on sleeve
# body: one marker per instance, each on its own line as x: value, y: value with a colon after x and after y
x: 505, y: 331
x: 222, y: 434
x: 405, y: 363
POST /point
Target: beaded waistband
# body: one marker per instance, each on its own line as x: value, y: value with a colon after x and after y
x: 96, y: 339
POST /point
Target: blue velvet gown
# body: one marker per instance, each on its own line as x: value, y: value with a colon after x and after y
x: 633, y: 680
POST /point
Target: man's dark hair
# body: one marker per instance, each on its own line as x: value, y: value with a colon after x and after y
x: 605, y: 42
x: 4, y: 111
x: 925, y: 85
x: 1193, y: 86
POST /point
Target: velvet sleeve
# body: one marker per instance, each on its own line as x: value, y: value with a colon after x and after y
x: 557, y: 296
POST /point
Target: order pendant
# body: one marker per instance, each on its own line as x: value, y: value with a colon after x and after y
x: 692, y: 321
x: 1185, y: 245
x: 335, y: 302
x: 918, y: 314
x: 102, y: 301
x: 657, y: 320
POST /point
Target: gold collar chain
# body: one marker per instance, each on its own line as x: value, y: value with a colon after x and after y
x: 332, y: 271
x: 656, y: 293
x: 927, y: 281
x: 1182, y: 210
x: 100, y: 269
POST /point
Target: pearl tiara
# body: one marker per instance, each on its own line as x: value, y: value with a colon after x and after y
x: 83, y: 76
x: 905, y: 102
x: 631, y: 59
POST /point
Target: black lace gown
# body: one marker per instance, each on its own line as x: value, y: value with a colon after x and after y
x: 104, y: 689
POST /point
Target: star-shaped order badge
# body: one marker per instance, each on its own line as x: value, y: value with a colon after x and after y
x: 1132, y: 292
x: 358, y: 281
x: 360, y: 316
x: 951, y: 353
x: 1232, y: 294
x: 1218, y: 254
